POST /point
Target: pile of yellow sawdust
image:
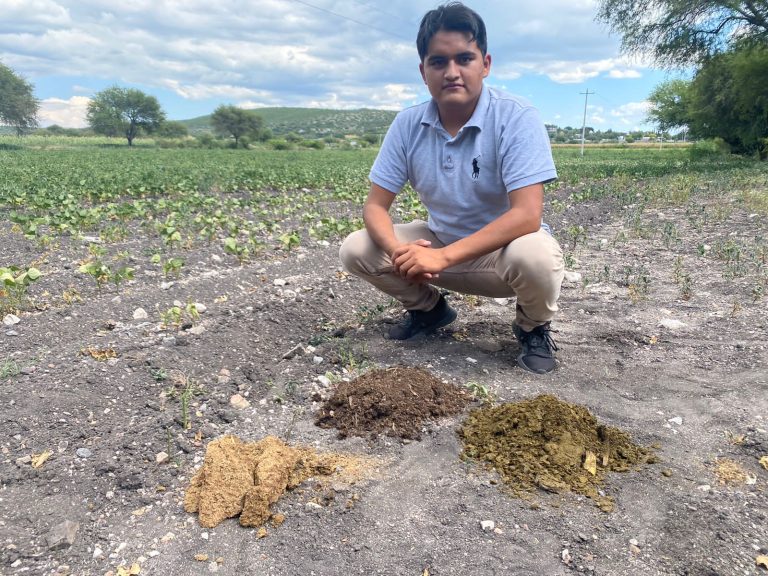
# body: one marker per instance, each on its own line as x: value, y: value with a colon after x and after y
x: 550, y: 444
x: 245, y: 479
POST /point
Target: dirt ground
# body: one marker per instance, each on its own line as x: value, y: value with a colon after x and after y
x: 107, y: 413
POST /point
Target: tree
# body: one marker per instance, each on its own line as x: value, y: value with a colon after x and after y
x: 236, y: 122
x: 677, y: 33
x: 124, y: 111
x: 18, y: 106
x: 670, y: 103
x: 728, y: 100
x: 173, y: 130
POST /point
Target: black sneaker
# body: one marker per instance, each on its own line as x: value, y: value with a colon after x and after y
x: 538, y: 349
x: 421, y: 322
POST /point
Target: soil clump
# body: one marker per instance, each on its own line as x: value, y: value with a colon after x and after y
x: 550, y: 444
x: 245, y: 479
x: 393, y: 401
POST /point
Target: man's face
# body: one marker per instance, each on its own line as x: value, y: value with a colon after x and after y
x: 453, y: 70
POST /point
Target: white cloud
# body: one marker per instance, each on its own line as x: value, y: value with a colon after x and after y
x: 68, y: 113
x: 621, y: 74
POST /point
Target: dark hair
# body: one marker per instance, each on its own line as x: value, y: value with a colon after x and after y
x: 453, y: 17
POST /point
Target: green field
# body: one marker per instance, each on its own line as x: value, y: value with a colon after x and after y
x: 97, y: 186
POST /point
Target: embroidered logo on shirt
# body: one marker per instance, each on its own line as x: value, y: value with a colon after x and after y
x: 475, y: 168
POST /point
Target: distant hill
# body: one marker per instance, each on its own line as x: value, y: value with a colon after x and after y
x: 312, y: 122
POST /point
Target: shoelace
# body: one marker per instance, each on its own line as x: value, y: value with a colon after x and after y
x: 539, y: 337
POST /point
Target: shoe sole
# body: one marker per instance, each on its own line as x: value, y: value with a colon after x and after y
x: 522, y: 364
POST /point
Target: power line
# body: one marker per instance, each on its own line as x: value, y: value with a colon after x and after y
x: 350, y: 19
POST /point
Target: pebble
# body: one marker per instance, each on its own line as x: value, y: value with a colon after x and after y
x: 487, y: 525
x: 216, y: 258
x: 11, y: 320
x: 29, y: 370
x: 324, y: 380
x: 23, y: 460
x: 98, y: 552
x: 200, y: 307
x: 501, y: 301
x: 239, y: 402
x: 167, y: 285
x: 11, y: 333
x: 161, y: 457
x: 289, y: 294
x: 62, y: 535
x: 140, y: 314
x: 677, y: 420
x: 672, y: 324
x: 317, y: 359
x: 279, y: 282
x: 471, y: 360
x: 83, y: 453
x: 312, y: 507
x: 197, y: 330
x: 572, y: 277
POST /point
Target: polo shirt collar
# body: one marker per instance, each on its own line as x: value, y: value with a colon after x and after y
x: 431, y: 117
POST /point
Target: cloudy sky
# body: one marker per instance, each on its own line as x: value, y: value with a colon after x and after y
x: 194, y: 55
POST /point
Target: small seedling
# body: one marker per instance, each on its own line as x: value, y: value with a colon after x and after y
x: 172, y: 267
x: 185, y: 390
x: 480, y: 392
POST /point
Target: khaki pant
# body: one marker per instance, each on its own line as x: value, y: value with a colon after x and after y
x: 530, y: 268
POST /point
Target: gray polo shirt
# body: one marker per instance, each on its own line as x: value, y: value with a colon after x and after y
x: 464, y: 180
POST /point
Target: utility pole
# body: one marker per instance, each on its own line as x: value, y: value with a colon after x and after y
x: 584, y: 122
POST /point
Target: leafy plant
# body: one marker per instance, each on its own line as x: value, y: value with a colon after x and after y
x: 184, y: 389
x: 14, y: 283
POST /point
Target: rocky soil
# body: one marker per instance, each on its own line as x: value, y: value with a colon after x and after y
x: 108, y: 405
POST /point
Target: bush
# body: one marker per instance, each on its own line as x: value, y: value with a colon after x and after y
x: 709, y: 148
x: 276, y: 144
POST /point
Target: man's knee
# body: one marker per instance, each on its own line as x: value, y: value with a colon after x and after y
x: 356, y: 252
x: 536, y: 257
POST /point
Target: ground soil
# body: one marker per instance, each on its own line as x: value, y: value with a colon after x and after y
x: 94, y: 398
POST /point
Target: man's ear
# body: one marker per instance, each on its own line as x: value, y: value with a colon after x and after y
x: 421, y: 69
x: 486, y: 65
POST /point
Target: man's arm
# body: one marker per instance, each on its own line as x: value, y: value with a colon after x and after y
x: 413, y: 261
x: 377, y: 220
x: 378, y: 224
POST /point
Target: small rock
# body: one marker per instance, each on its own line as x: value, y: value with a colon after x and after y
x: 672, y: 324
x: 216, y: 258
x: 161, y: 457
x: 98, y: 552
x: 501, y: 301
x: 565, y: 556
x: 312, y: 507
x: 200, y: 307
x: 572, y: 277
x: 92, y: 239
x: 279, y: 282
x: 11, y: 320
x: 140, y: 314
x: 83, y: 453
x: 324, y: 381
x: 634, y: 542
x: 237, y: 401
x: 634, y: 549
x: 197, y: 330
x: 11, y: 333
x: 167, y: 285
x: 487, y: 525
x: 677, y: 420
x: 29, y: 370
x: 471, y: 360
x: 62, y: 535
x: 224, y: 376
x: 289, y: 294
x: 23, y: 461
x: 168, y: 537
x: 317, y: 359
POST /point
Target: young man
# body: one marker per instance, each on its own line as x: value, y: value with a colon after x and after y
x: 478, y: 159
